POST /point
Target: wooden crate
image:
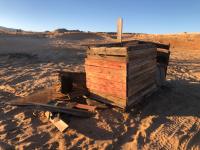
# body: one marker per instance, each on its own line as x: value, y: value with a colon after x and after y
x: 121, y: 74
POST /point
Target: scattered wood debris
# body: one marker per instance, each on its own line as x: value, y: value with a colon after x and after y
x: 58, y: 109
x: 95, y: 103
x: 86, y: 107
x: 56, y: 121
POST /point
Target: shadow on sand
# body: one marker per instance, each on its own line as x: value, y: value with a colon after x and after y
x: 179, y: 98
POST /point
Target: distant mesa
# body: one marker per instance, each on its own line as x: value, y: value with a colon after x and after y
x: 12, y: 30
x: 63, y: 30
x: 4, y: 29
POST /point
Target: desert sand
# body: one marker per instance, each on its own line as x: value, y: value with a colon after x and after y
x: 169, y: 119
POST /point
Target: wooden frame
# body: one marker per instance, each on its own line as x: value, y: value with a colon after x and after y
x: 122, y: 74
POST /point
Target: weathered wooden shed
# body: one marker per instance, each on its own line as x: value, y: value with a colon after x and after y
x: 122, y: 73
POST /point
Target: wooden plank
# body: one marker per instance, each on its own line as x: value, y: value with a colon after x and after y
x: 108, y: 99
x: 120, y: 83
x: 115, y: 75
x: 151, y: 50
x: 109, y: 51
x: 137, y: 98
x: 58, y: 109
x: 107, y: 83
x: 135, y: 85
x: 107, y: 77
x: 105, y: 63
x: 130, y: 42
x: 109, y: 89
x: 76, y: 93
x: 142, y: 58
x: 144, y: 70
x: 97, y: 104
x: 158, y: 45
x: 148, y: 58
x: 163, y: 50
x: 106, y: 71
x: 141, y: 67
x: 140, y: 46
x: 139, y: 61
x: 139, y: 88
x: 86, y: 107
x: 140, y: 70
x: 150, y: 74
x: 137, y: 65
x: 114, y: 44
x: 141, y: 54
x: 134, y: 67
x: 109, y: 58
x: 57, y: 122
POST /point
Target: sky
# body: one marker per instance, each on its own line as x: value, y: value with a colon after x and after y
x: 139, y: 16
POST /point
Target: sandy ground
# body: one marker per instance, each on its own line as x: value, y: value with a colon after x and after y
x: 168, y: 119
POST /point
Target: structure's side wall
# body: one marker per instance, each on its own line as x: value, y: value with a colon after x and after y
x: 141, y: 72
x: 107, y: 79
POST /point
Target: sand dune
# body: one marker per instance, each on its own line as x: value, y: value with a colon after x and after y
x: 168, y: 119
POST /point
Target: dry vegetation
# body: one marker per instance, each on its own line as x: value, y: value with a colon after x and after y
x: 168, y: 119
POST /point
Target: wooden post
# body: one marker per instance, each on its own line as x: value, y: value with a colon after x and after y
x: 119, y: 29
